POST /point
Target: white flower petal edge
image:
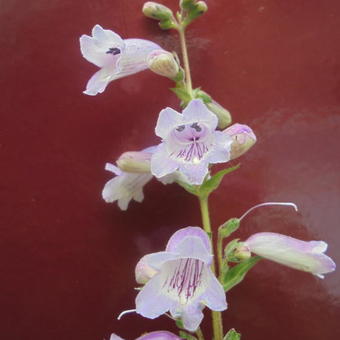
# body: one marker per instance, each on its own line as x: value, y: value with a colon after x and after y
x: 307, y: 256
x: 183, y: 282
x: 190, y: 143
x: 124, y: 187
x: 116, y: 57
x: 157, y: 335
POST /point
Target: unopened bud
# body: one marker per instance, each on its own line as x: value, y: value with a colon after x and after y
x: 243, y: 139
x: 163, y: 63
x: 241, y: 252
x: 135, y: 161
x: 201, y: 7
x: 157, y: 11
x: 223, y: 115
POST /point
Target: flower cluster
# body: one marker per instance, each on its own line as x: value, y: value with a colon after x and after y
x: 182, y: 280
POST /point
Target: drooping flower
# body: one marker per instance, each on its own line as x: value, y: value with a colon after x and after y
x: 307, y: 256
x: 116, y: 57
x: 183, y: 282
x: 243, y: 139
x: 125, y: 186
x: 190, y: 142
x: 157, y: 335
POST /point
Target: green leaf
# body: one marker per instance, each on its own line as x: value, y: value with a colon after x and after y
x: 237, y: 273
x: 232, y: 335
x: 185, y: 335
x: 179, y: 323
x: 213, y: 183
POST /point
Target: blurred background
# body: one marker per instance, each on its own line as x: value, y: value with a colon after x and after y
x: 67, y: 258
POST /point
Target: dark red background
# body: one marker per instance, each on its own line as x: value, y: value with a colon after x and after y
x: 67, y: 257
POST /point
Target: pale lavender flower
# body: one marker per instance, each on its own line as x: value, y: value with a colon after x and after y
x: 190, y: 142
x: 124, y: 187
x: 157, y: 335
x: 116, y: 57
x: 307, y: 256
x: 183, y: 282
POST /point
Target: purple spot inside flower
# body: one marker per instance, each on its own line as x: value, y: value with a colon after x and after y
x: 113, y: 51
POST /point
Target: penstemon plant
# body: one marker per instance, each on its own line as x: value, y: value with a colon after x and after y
x: 195, y: 270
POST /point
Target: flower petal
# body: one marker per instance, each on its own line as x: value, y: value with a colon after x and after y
x: 150, y: 301
x: 221, y: 152
x: 294, y: 253
x: 159, y: 335
x: 183, y: 233
x: 115, y: 337
x: 156, y: 260
x: 134, y: 57
x: 161, y: 164
x: 195, y: 173
x: 192, y: 317
x: 168, y: 119
x: 196, y: 111
x: 214, y: 296
x: 99, y: 81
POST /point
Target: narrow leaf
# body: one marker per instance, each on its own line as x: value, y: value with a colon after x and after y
x: 213, y: 183
x: 237, y: 273
x: 185, y: 335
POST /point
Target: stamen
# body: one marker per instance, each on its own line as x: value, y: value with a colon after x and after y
x: 268, y: 203
x: 125, y: 312
x: 185, y: 278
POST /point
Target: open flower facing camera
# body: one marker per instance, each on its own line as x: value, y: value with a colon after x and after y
x: 199, y: 264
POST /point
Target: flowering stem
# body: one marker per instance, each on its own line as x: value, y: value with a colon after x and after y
x: 220, y: 254
x: 216, y: 316
x: 199, y: 334
x: 188, y: 82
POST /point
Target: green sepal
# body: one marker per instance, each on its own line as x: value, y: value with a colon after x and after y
x: 230, y: 247
x: 200, y: 94
x: 213, y: 183
x: 237, y: 273
x: 179, y: 323
x: 232, y: 335
x: 227, y: 228
x: 182, y: 94
x: 185, y: 335
x: 167, y: 24
x: 192, y: 189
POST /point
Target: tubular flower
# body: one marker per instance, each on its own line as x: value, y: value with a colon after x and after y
x: 116, y: 57
x: 182, y: 282
x: 291, y: 252
x: 243, y: 139
x: 158, y: 335
x: 124, y: 187
x: 190, y: 142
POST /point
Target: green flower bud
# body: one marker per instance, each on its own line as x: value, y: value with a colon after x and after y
x: 241, y: 252
x: 157, y: 11
x: 201, y: 7
x: 163, y: 63
x: 223, y: 115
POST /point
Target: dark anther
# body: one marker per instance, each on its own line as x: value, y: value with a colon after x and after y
x: 113, y: 50
x: 196, y: 127
x: 180, y: 128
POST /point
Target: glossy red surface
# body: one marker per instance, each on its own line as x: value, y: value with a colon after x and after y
x: 67, y: 258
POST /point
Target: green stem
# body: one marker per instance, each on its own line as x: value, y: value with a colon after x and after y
x: 199, y: 334
x: 188, y: 82
x: 220, y: 254
x: 216, y: 316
